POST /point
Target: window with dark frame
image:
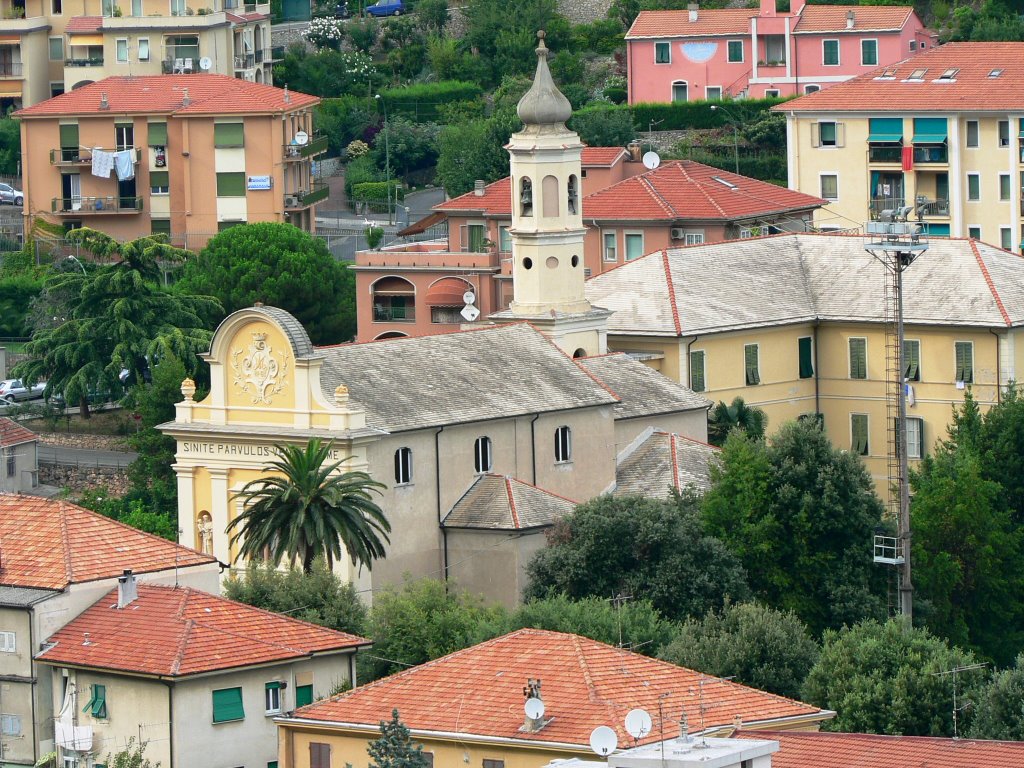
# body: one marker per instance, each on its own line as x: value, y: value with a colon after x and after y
x: 751, y: 368
x: 403, y: 466
x: 12, y: 462
x: 563, y: 444
x: 859, y: 433
x: 806, y: 354
x: 662, y: 53
x: 697, y: 378
x: 964, y: 359
x: 912, y: 359
x: 858, y: 358
x: 319, y: 755
x: 482, y: 455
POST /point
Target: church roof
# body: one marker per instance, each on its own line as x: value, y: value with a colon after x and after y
x: 644, y: 391
x: 502, y: 503
x: 658, y: 461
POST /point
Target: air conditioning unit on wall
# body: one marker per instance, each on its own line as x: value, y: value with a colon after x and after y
x: 291, y: 201
x: 678, y: 233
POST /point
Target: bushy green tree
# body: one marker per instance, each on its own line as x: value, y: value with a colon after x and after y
x: 281, y: 266
x: 503, y: 33
x: 132, y: 756
x: 641, y: 547
x: 17, y: 293
x: 759, y: 646
x: 319, y: 597
x: 737, y: 415
x: 10, y: 145
x: 475, y: 150
x: 998, y: 706
x: 801, y: 515
x: 342, y: 120
x: 328, y: 72
x: 884, y: 678
x: 363, y: 33
x: 409, y: 145
x: 395, y: 748
x: 432, y: 15
x: 603, y: 127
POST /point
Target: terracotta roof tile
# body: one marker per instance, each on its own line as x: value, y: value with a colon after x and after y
x: 662, y: 24
x: 84, y: 24
x: 50, y: 544
x: 479, y: 691
x: 843, y: 750
x: 12, y: 433
x: 186, y: 632
x: 971, y: 90
x: 208, y: 94
x: 659, y: 460
x: 866, y: 18
x: 499, y: 502
x: 600, y: 156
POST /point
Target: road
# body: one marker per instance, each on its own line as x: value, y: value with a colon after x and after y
x: 85, y: 457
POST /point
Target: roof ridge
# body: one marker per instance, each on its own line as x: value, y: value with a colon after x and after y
x: 581, y: 657
x: 541, y: 490
x: 675, y: 460
x: 671, y: 291
x: 179, y: 656
x: 989, y: 282
x: 511, y: 502
x: 665, y: 205
x: 69, y: 569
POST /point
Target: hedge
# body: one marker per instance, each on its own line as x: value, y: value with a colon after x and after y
x: 682, y: 115
x: 419, y: 102
x: 368, y: 191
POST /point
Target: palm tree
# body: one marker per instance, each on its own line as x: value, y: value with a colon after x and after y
x: 306, y: 510
x: 725, y: 418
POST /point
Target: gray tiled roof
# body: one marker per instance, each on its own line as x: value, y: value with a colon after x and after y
x: 452, y: 378
x: 23, y: 597
x: 644, y: 391
x: 500, y: 503
x: 798, y: 278
x: 658, y: 461
x: 297, y: 336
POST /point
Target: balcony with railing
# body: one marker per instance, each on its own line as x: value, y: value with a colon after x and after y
x: 305, y: 197
x: 10, y: 70
x: 878, y: 204
x: 316, y: 144
x: 84, y: 61
x: 885, y: 153
x: 931, y: 154
x: 933, y: 208
x: 394, y: 301
x: 71, y: 156
x: 181, y: 65
x: 112, y: 204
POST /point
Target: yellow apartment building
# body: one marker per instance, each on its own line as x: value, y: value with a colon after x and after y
x: 48, y: 47
x: 206, y: 153
x: 942, y: 132
x: 794, y: 325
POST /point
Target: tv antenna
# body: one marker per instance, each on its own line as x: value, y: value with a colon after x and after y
x: 617, y: 602
x: 954, y: 672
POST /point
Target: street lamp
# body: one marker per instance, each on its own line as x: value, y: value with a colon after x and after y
x: 78, y: 262
x: 735, y: 136
x: 387, y: 153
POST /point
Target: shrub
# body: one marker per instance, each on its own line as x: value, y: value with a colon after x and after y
x: 420, y: 102
x: 357, y: 148
x: 324, y: 33
x: 377, y: 190
x: 360, y: 170
x: 373, y: 237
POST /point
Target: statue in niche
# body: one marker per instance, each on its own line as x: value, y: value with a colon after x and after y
x: 205, y: 526
x: 526, y: 198
x: 572, y: 194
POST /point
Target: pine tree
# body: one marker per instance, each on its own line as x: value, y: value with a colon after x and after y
x: 394, y: 748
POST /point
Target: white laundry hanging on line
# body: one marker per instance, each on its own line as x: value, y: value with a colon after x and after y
x: 124, y: 163
x: 102, y: 163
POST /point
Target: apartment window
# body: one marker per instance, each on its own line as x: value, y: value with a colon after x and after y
x: 12, y: 462
x: 122, y: 50
x: 680, y: 91
x: 693, y: 238
x: 227, y: 705
x: 56, y: 89
x: 750, y: 365
x: 228, y: 135
x: 735, y: 53
x: 319, y: 755
x: 159, y: 182
x: 494, y: 764
x: 858, y: 358
x: 829, y: 186
x: 662, y: 53
x: 634, y: 245
x: 869, y: 53
x: 972, y: 133
x: 504, y: 240
x: 912, y: 360
x: 1004, y: 133
x: 272, y: 764
x: 482, y: 455
x: 160, y: 227
x: 143, y: 49
x: 827, y: 134
x: 10, y: 725
x: 859, y: 433
x: 231, y: 184
x: 97, y: 704
x: 771, y: 93
x: 473, y: 236
x: 428, y: 757
x: 1004, y: 186
x: 973, y: 186
x: 964, y: 359
x: 124, y: 135
x: 156, y: 134
x: 610, y: 248
x: 563, y: 444
x: 812, y: 88
x: 446, y: 315
x: 806, y: 354
x: 56, y: 49
x: 698, y: 382
x: 272, y: 697
x: 974, y: 233
x: 177, y: 7
x: 1004, y: 238
x: 915, y: 433
x: 713, y: 93
x: 303, y: 695
x: 830, y: 53
x: 403, y: 466
x: 7, y: 642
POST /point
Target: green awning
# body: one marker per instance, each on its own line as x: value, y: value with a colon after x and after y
x: 930, y: 130
x: 885, y: 129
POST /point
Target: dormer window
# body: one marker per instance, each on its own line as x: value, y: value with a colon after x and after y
x: 918, y: 75
x: 948, y: 76
x: 995, y: 73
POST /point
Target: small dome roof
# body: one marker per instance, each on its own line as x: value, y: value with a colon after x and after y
x: 543, y: 104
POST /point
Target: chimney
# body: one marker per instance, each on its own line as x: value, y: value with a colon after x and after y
x: 850, y: 19
x: 692, y: 8
x: 767, y: 8
x: 478, y: 187
x: 287, y: 96
x: 185, y: 100
x: 104, y: 104
x: 634, y: 151
x: 127, y: 589
x: 532, y: 693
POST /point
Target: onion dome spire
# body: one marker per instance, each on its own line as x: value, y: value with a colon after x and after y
x: 543, y: 104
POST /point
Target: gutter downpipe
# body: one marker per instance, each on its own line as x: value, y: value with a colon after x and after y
x: 533, y: 448
x: 817, y: 372
x: 999, y: 378
x: 437, y: 489
x: 170, y: 720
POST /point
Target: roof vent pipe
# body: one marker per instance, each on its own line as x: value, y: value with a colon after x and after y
x: 127, y: 589
x: 850, y: 19
x: 185, y: 100
x: 287, y: 96
x: 104, y: 104
x: 692, y: 8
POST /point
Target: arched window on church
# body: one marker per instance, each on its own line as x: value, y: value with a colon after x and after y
x: 525, y: 196
x: 574, y: 195
x: 403, y: 466
x: 549, y: 192
x: 482, y: 459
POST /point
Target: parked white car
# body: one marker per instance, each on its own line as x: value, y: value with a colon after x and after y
x: 10, y: 196
x: 12, y: 390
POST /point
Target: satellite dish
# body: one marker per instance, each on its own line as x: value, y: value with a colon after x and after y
x: 471, y: 313
x: 603, y: 740
x: 468, y: 297
x: 651, y: 160
x: 301, y: 138
x: 206, y: 63
x: 638, y: 723
x: 534, y: 708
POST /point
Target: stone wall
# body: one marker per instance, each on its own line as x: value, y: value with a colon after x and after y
x: 584, y: 11
x: 289, y: 34
x: 78, y: 479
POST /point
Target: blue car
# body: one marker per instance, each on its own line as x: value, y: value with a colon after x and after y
x: 386, y: 8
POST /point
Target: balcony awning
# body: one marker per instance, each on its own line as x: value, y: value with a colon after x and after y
x: 9, y: 39
x: 421, y: 226
x: 930, y: 130
x: 447, y: 292
x: 885, y: 129
x: 85, y: 39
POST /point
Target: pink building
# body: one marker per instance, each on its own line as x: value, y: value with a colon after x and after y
x: 758, y: 52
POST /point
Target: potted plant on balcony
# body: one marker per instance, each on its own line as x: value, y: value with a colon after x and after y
x: 117, y: 13
x: 374, y: 235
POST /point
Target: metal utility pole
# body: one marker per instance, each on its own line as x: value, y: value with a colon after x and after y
x: 735, y: 135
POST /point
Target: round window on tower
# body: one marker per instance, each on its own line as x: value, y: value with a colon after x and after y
x: 527, y: 263
x: 552, y: 262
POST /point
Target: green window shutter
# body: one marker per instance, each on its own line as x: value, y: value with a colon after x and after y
x: 735, y: 50
x: 159, y: 178
x: 69, y: 136
x: 912, y: 360
x: 662, y: 53
x: 858, y: 359
x: 231, y: 184
x: 227, y: 705
x: 272, y: 764
x: 157, y: 134
x: 697, y: 371
x: 831, y: 52
x: 99, y: 701
x: 476, y: 238
x: 753, y: 376
x: 806, y: 362
x: 160, y: 226
x: 228, y: 135
x: 964, y: 362
x: 859, y: 433
x: 303, y: 695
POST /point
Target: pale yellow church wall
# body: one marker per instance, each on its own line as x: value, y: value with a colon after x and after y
x: 592, y: 466
x: 692, y: 424
x: 484, y: 560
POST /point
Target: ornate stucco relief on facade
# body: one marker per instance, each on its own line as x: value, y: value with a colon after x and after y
x: 259, y: 371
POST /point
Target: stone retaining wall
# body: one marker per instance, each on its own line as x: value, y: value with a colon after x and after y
x: 95, y: 442
x: 78, y: 479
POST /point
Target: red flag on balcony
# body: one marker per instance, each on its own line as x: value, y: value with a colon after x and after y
x: 908, y: 158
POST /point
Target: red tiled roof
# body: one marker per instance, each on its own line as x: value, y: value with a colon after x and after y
x: 479, y: 691
x: 182, y: 631
x: 843, y: 750
x: 208, y: 94
x: 721, y: 21
x: 600, y: 156
x: 12, y: 433
x: 84, y: 24
x: 866, y: 18
x: 683, y: 189
x: 50, y: 544
x: 971, y: 90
